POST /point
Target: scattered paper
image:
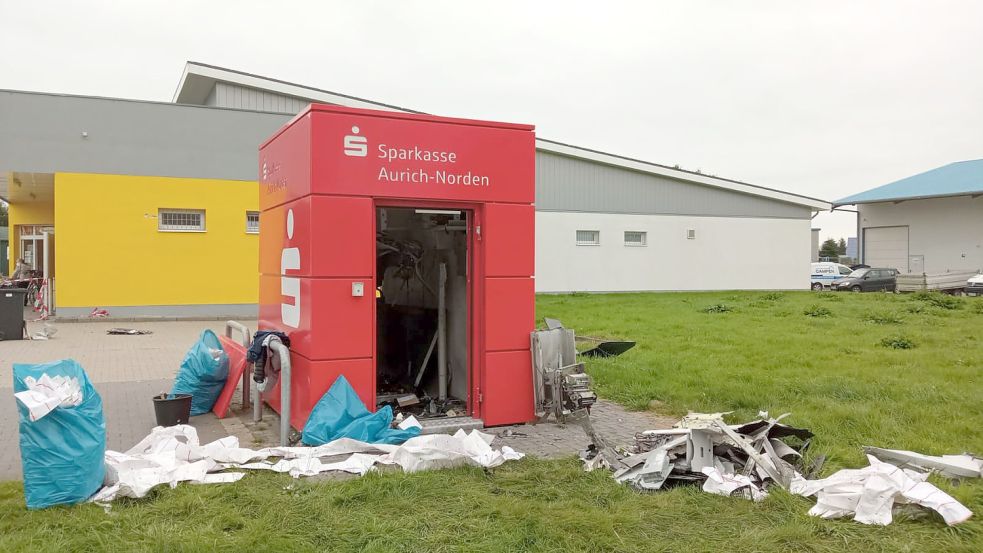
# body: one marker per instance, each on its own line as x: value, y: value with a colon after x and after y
x: 437, y: 451
x: 869, y: 494
x: 47, y: 393
x: 170, y: 455
x: 409, y: 422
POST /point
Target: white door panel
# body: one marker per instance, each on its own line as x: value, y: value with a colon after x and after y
x: 886, y: 247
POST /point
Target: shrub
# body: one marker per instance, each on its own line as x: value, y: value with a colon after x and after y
x: 916, y: 308
x: 938, y: 299
x: 898, y: 342
x: 718, y: 308
x: 773, y: 296
x: 817, y: 311
x: 978, y: 307
x: 884, y: 318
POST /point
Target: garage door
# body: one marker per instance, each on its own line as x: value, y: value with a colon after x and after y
x: 886, y: 247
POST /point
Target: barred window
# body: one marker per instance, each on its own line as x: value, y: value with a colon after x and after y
x: 181, y: 220
x: 252, y: 222
x: 588, y: 238
x: 635, y: 238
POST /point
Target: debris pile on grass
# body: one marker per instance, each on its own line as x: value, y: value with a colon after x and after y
x: 746, y: 460
x: 740, y: 459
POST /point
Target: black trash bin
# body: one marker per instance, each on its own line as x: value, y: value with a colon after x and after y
x: 172, y: 409
x: 12, y: 313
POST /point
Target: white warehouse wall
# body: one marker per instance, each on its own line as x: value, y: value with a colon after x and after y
x: 728, y: 253
x: 947, y: 231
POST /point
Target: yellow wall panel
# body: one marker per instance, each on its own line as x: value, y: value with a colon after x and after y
x: 27, y: 213
x: 109, y: 251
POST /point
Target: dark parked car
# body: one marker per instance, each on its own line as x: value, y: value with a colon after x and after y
x: 868, y: 280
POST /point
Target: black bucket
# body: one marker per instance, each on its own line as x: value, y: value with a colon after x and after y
x: 172, y: 409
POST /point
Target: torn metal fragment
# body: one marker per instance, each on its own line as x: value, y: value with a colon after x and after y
x: 953, y: 466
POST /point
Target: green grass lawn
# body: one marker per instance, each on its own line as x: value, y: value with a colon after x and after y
x: 754, y: 351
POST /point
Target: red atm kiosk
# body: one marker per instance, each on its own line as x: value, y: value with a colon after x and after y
x: 397, y: 250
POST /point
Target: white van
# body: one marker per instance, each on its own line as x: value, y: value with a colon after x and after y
x: 824, y: 273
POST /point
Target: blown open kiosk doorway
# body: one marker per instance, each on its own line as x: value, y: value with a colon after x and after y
x: 398, y: 250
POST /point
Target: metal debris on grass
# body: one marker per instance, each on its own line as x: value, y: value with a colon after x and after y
x: 602, y: 347
x: 741, y: 460
x: 869, y: 495
x: 950, y: 466
x: 745, y: 460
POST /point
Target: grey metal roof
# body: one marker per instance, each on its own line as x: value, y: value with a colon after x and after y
x: 199, y: 79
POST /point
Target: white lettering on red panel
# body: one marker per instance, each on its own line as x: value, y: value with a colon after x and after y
x: 356, y: 145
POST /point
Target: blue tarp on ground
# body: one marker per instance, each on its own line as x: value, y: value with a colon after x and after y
x: 62, y: 452
x: 341, y: 414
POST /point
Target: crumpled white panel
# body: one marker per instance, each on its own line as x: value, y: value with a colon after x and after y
x: 720, y: 483
x: 173, y: 454
x: 869, y: 494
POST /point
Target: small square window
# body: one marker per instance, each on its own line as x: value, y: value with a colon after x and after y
x: 181, y: 220
x: 636, y: 238
x: 691, y: 234
x: 252, y: 222
x: 588, y: 238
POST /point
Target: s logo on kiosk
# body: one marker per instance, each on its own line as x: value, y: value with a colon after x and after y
x: 356, y: 146
x: 290, y: 286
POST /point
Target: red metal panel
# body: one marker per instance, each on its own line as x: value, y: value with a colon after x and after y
x: 237, y: 365
x: 507, y: 391
x: 285, y: 165
x: 333, y: 324
x: 510, y: 313
x: 509, y: 235
x: 311, y: 379
x: 322, y: 374
x: 300, y: 407
x: 370, y: 154
x: 335, y: 236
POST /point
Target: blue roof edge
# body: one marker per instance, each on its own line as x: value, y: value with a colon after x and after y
x: 959, y: 178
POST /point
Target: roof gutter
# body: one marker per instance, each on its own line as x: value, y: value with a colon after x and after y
x: 848, y: 201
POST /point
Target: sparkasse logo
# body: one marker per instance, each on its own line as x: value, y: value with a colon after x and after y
x: 356, y: 146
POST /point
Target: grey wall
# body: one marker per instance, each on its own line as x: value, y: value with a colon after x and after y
x: 570, y: 184
x: 43, y: 133
x: 226, y: 95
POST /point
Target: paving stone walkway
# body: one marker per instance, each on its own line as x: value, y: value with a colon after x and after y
x: 129, y: 370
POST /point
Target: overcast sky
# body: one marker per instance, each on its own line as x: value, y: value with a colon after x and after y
x: 822, y: 98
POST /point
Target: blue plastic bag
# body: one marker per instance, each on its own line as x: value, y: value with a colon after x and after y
x: 62, y: 453
x: 341, y: 414
x: 203, y: 373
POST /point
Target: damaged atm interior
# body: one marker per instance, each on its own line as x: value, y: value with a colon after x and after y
x: 422, y: 309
